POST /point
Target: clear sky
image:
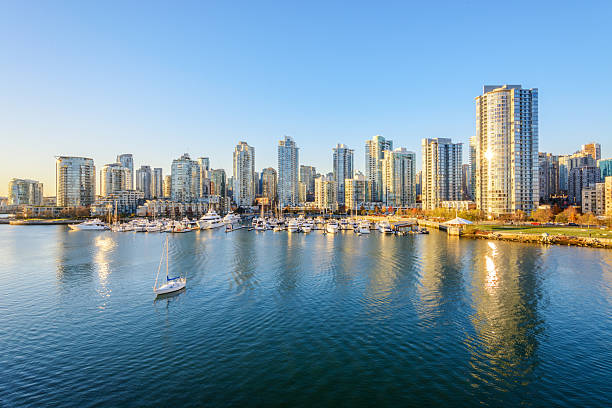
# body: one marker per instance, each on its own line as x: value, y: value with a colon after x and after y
x: 158, y: 79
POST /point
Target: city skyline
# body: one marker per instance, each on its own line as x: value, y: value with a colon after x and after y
x: 97, y: 84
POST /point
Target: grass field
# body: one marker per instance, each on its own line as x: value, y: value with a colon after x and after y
x: 523, y: 229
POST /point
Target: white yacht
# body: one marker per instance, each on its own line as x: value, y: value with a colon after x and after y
x: 210, y: 220
x: 332, y: 227
x: 293, y: 226
x: 231, y: 218
x: 94, y: 225
x: 385, y: 227
x: 364, y: 227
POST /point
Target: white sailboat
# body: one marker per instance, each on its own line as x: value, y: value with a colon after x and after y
x: 172, y: 284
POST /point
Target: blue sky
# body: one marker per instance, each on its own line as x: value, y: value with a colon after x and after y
x: 158, y: 79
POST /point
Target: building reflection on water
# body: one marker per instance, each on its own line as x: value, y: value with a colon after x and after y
x: 506, y: 292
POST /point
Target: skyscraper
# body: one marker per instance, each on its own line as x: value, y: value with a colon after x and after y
x: 579, y: 179
x: 507, y: 149
x: 168, y: 186
x: 144, y: 178
x: 356, y: 191
x: 592, y: 149
x: 548, y: 170
x: 114, y: 177
x: 288, y: 162
x: 605, y: 168
x: 441, y: 178
x: 307, y: 177
x: 185, y: 184
x: 75, y: 180
x: 157, y: 185
x: 127, y: 161
x: 343, y: 169
x: 218, y: 183
x: 244, y: 175
x: 22, y: 191
x: 466, y: 180
x: 269, y: 184
x: 373, y: 155
x: 325, y: 193
x: 473, y: 150
x: 204, y: 163
x: 398, y: 177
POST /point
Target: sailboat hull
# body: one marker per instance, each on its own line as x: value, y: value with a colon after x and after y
x: 170, y: 287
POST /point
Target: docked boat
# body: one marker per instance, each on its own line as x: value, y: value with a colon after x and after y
x: 172, y: 284
x: 293, y: 225
x: 231, y: 218
x: 385, y: 228
x: 332, y: 227
x: 363, y: 227
x: 210, y: 220
x: 260, y: 225
x: 89, y: 225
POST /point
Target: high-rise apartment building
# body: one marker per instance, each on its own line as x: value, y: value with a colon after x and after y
x: 608, y: 195
x: 325, y: 193
x: 466, y: 182
x: 218, y: 182
x: 144, y: 179
x: 507, y: 149
x: 356, y: 191
x: 569, y: 162
x: 592, y: 149
x: 185, y: 184
x: 441, y: 177
x: 204, y: 163
x: 343, y: 168
x: 23, y: 191
x: 473, y: 162
x: 398, y: 177
x: 114, y: 177
x: 127, y: 161
x: 307, y: 177
x: 373, y: 155
x: 157, y: 184
x: 593, y: 199
x: 244, y: 175
x: 579, y: 179
x: 548, y: 170
x: 288, y: 173
x: 75, y: 181
x: 269, y: 184
x: 168, y: 186
x: 605, y: 168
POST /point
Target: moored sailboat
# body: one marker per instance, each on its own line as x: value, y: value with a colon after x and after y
x: 172, y: 284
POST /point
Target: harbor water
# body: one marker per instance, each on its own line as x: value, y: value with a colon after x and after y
x: 280, y: 319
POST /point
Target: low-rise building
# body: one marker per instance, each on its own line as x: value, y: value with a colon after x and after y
x: 459, y: 205
x: 608, y: 196
x: 126, y: 202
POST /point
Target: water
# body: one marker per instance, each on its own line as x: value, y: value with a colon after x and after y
x: 301, y: 320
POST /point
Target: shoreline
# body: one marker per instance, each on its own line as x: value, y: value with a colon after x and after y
x: 541, y: 239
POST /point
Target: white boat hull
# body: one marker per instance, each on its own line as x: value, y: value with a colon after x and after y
x: 332, y: 229
x: 79, y: 227
x: 170, y: 287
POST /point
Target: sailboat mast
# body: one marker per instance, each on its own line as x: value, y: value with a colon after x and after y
x: 166, y: 257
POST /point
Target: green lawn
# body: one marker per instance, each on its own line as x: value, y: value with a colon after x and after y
x: 569, y: 231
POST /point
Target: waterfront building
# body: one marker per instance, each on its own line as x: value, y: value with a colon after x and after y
x: 167, y: 186
x: 473, y: 163
x: 185, y: 184
x: 204, y: 163
x: 569, y: 162
x: 25, y: 192
x: 307, y: 177
x: 418, y: 184
x: 605, y: 168
x: 356, y: 191
x: 49, y: 201
x: 325, y: 193
x: 126, y: 202
x: 343, y: 169
x: 75, y: 180
x: 243, y: 187
x: 593, y: 199
x: 441, y: 175
x: 114, y: 177
x: 373, y: 155
x: 592, y: 149
x: 127, y: 160
x: 288, y: 174
x: 269, y: 184
x: 459, y: 205
x: 548, y: 169
x: 157, y: 184
x: 507, y: 149
x: 608, y: 195
x: 579, y: 179
x: 218, y: 183
x: 466, y: 182
x: 398, y: 174
x: 144, y: 179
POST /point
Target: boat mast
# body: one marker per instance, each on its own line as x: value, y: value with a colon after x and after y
x: 161, y: 259
x: 166, y: 258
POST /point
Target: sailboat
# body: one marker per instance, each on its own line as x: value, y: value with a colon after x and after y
x: 172, y: 284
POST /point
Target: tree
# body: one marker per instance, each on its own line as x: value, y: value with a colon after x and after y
x: 542, y: 215
x: 519, y: 215
x: 588, y: 219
